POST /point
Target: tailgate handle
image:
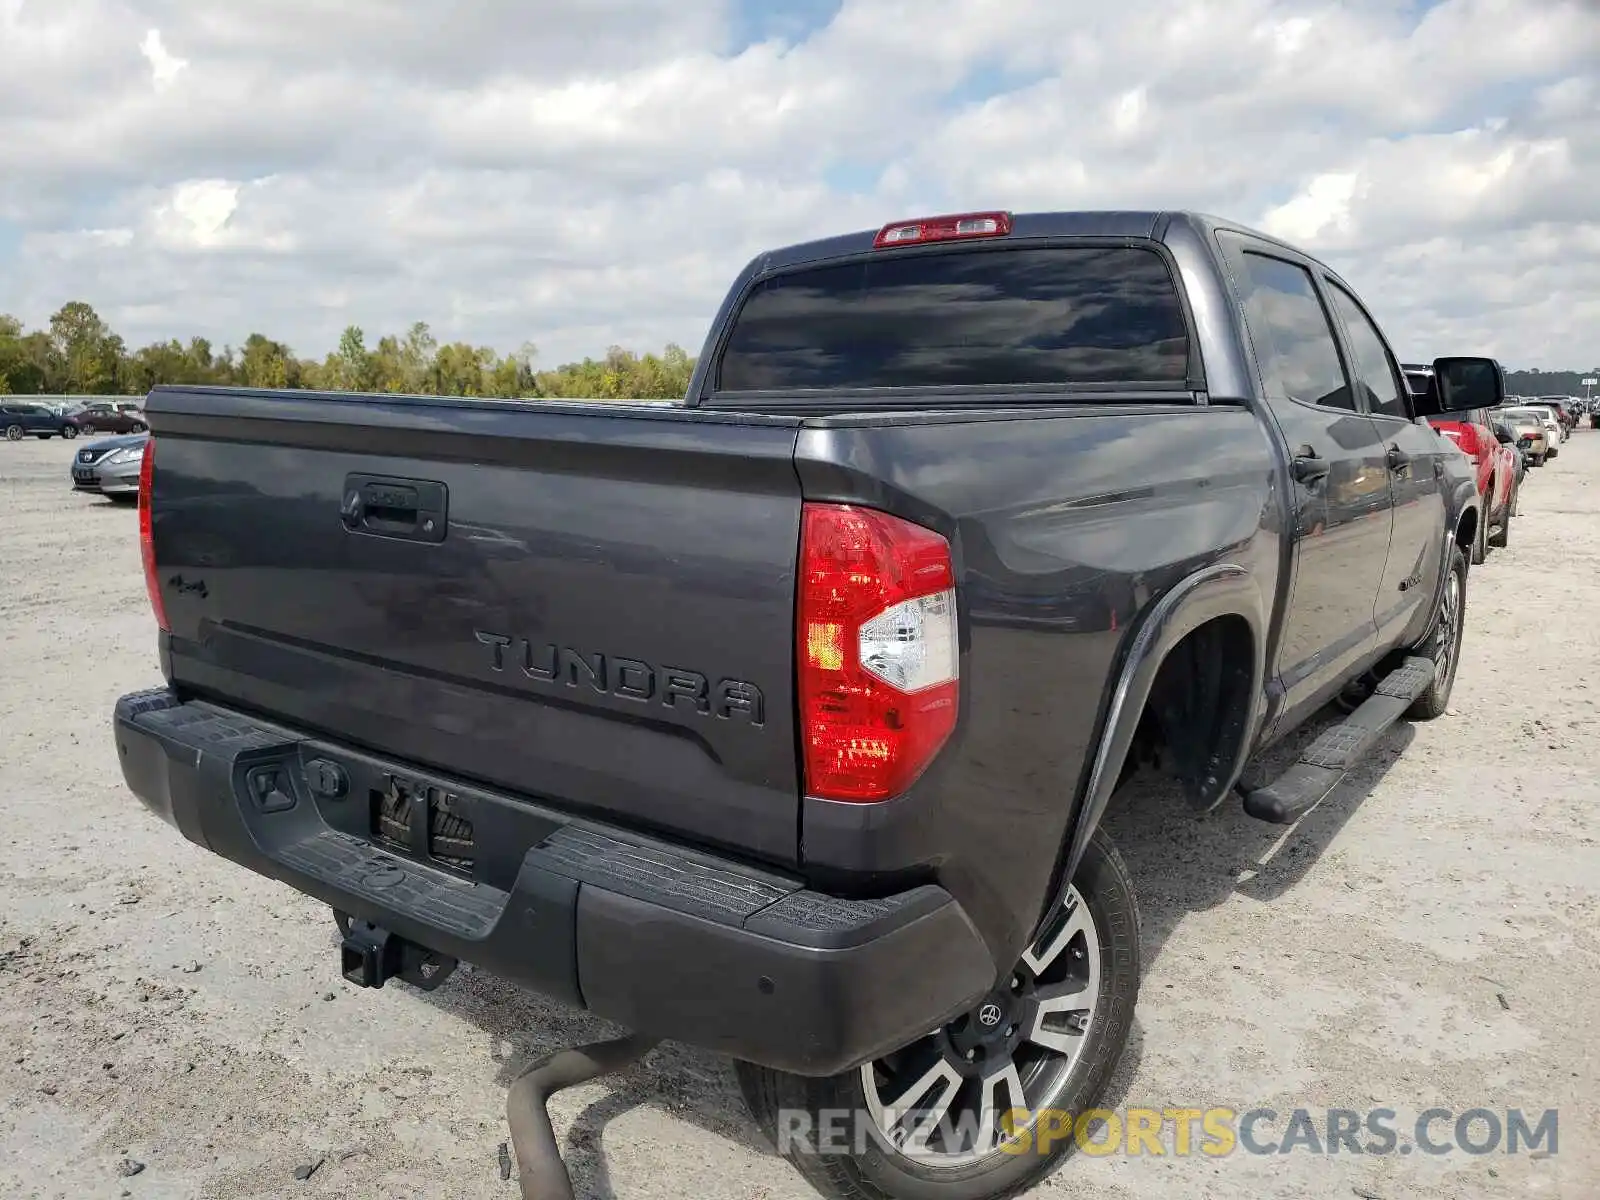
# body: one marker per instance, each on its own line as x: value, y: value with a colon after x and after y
x: 414, y: 509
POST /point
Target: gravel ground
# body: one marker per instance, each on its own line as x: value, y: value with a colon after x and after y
x: 1427, y: 937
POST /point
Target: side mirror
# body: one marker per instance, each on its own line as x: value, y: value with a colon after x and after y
x: 1465, y: 383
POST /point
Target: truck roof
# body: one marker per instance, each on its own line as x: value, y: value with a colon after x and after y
x: 1116, y: 223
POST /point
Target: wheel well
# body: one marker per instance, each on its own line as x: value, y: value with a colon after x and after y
x: 1199, y: 704
x: 1467, y: 531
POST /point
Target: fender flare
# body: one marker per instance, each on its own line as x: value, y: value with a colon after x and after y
x: 1220, y: 590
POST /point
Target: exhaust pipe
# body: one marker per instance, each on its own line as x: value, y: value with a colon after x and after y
x: 540, y: 1172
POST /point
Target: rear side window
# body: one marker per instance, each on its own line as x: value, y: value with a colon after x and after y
x: 990, y: 318
x: 1374, y: 367
x: 1293, y: 338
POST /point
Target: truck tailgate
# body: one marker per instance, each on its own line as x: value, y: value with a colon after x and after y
x: 592, y: 605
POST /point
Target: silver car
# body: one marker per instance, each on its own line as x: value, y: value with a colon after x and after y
x: 110, y: 467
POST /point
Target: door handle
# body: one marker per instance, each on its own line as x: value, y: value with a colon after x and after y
x: 413, y: 509
x: 1308, y: 467
x: 1399, y: 460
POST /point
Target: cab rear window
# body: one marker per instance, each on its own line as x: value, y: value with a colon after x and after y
x: 996, y: 317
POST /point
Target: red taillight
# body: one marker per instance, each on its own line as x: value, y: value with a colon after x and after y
x: 953, y: 228
x: 878, y: 657
x: 147, y: 538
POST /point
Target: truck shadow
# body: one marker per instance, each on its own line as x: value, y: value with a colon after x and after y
x: 523, y: 1029
x: 1181, y: 864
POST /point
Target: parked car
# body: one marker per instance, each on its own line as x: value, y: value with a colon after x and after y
x: 1553, y: 432
x: 1561, y: 406
x: 120, y: 417
x: 109, y: 467
x: 1507, y: 437
x: 1532, y: 437
x: 789, y: 787
x: 1494, y: 464
x: 19, y: 420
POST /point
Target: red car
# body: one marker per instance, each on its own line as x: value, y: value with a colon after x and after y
x: 1495, y: 462
x: 123, y: 416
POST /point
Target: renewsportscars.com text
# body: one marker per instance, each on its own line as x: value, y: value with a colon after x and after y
x: 1209, y: 1132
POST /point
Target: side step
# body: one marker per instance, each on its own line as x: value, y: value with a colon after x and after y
x: 1324, y: 762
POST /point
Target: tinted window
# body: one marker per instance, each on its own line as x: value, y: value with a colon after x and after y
x: 1056, y: 315
x: 1298, y: 352
x: 1374, y: 368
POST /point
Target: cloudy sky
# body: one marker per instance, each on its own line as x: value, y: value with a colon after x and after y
x: 591, y: 172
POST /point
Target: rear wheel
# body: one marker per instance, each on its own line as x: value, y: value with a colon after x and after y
x: 1443, y: 642
x: 939, y: 1119
x: 1480, y: 541
x: 69, y: 432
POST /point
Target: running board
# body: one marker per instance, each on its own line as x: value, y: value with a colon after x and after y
x: 1325, y: 761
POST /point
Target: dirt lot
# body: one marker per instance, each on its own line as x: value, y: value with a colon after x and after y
x: 1429, y: 936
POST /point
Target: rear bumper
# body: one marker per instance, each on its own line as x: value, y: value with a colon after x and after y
x: 661, y: 938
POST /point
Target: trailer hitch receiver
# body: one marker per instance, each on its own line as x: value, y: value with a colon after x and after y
x: 370, y: 956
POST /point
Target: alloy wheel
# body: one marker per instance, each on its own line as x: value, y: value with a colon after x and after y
x: 952, y: 1097
x: 1447, y: 631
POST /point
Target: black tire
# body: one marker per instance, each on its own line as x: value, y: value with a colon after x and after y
x: 69, y: 432
x: 138, y: 427
x: 1480, y: 540
x: 14, y: 433
x: 89, y: 429
x: 1443, y: 641
x: 868, y: 1167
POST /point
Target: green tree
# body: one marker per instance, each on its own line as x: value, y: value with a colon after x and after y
x: 85, y: 353
x: 351, y: 368
x: 80, y: 352
x: 264, y: 363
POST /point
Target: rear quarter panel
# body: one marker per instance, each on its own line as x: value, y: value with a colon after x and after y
x: 1066, y: 527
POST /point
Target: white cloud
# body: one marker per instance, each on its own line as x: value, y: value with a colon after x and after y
x: 1323, y: 204
x: 164, y: 67
x: 597, y: 172
x: 198, y: 212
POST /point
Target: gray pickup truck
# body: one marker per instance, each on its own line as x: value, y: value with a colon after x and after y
x: 782, y: 722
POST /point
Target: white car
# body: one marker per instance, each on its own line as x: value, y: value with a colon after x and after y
x: 1556, y: 404
x: 1547, y: 421
x: 1552, y: 417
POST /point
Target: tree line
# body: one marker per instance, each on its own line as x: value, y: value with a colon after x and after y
x: 79, y: 354
x: 1550, y: 383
